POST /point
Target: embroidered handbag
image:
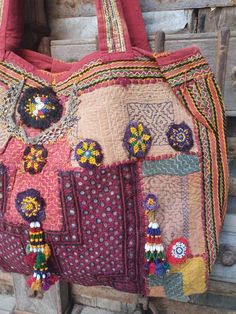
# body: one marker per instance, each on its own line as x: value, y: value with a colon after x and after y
x: 113, y: 168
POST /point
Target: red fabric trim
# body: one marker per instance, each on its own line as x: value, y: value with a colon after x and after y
x: 101, y: 27
x: 11, y: 30
x: 135, y: 23
x: 178, y: 55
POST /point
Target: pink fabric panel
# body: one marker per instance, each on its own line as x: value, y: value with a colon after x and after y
x: 47, y: 183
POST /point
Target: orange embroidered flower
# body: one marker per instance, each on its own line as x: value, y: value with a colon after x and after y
x: 34, y: 158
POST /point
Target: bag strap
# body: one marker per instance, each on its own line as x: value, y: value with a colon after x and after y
x: 120, y: 25
x: 11, y: 24
x: 113, y: 33
x: 135, y: 23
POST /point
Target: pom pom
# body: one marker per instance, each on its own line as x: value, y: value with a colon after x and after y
x: 30, y: 281
x: 36, y: 285
x: 152, y: 269
x: 30, y: 259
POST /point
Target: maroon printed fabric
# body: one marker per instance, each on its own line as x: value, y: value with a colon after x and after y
x: 103, y: 238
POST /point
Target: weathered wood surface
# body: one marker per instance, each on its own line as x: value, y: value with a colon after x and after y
x: 165, y: 306
x: 84, y: 27
x: 222, y: 56
x: 207, y: 42
x: 55, y: 301
x: 36, y: 25
x: 69, y: 8
x: 209, y: 20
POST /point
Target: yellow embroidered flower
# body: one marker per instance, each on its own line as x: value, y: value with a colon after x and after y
x: 34, y: 158
x: 89, y: 154
x: 137, y: 139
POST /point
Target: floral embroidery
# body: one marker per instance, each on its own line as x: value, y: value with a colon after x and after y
x: 178, y: 251
x: 180, y: 137
x: 34, y: 158
x: 30, y: 205
x: 89, y: 154
x: 137, y: 139
x: 39, y: 108
x: 154, y: 249
x: 150, y: 202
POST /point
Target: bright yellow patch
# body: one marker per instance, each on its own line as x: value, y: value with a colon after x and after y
x: 143, y: 147
x: 92, y: 145
x: 79, y: 152
x: 85, y: 145
x: 194, y: 275
x: 146, y: 137
x: 140, y: 128
x: 95, y: 153
x: 136, y: 148
x: 92, y: 161
x: 132, y: 140
x: 134, y: 131
x: 83, y: 159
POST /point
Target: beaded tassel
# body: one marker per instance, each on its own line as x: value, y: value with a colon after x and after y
x: 154, y: 249
x: 31, y: 206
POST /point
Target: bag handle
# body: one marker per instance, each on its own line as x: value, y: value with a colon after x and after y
x: 11, y: 25
x: 113, y: 33
x: 135, y: 23
x: 120, y: 25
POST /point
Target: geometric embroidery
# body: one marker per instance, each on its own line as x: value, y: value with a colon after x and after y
x: 157, y: 117
x: 172, y: 283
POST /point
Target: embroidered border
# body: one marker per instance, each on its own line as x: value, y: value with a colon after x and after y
x: 90, y: 76
x: 114, y: 28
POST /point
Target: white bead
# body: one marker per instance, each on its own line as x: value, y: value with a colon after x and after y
x: 44, y: 276
x: 38, y: 277
x: 155, y: 225
x: 32, y: 225
x: 37, y: 224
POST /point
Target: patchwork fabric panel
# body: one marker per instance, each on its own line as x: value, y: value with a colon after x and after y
x: 102, y: 241
x: 154, y: 105
x: 194, y: 275
x: 177, y: 183
x: 46, y: 182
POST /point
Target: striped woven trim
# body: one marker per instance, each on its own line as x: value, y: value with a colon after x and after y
x: 186, y: 70
x: 114, y: 28
x: 89, y: 76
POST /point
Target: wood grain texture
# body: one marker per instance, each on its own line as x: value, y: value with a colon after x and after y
x: 222, y: 56
x: 155, y: 5
x: 72, y: 8
x: 55, y: 301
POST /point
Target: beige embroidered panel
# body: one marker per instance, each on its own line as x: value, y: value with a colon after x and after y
x: 1, y: 10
